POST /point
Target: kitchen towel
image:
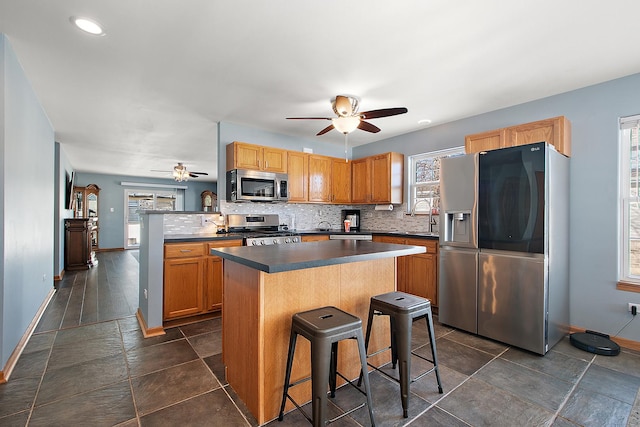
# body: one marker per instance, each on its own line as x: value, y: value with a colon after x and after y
x: 384, y: 207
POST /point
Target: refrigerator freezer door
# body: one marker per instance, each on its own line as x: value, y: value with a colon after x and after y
x: 512, y: 299
x: 458, y: 201
x: 457, y: 292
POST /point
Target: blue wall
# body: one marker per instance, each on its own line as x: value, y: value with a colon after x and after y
x: 27, y: 189
x: 112, y: 196
x: 593, y: 199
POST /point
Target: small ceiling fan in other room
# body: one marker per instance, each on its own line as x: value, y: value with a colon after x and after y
x: 180, y: 173
x: 349, y: 119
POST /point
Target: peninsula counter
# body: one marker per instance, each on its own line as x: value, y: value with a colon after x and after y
x: 264, y: 286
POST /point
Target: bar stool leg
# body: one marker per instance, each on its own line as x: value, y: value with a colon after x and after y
x: 287, y: 376
x: 320, y: 368
x: 403, y: 341
x: 333, y: 368
x: 394, y: 343
x: 364, y: 374
x: 432, y: 341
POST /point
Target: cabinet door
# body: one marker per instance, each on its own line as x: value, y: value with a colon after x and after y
x: 274, y: 160
x: 298, y: 170
x: 485, y: 141
x: 421, y: 276
x: 183, y: 287
x: 214, y: 283
x: 214, y: 275
x: 381, y: 179
x: 319, y: 178
x: 315, y: 238
x: 361, y: 180
x: 555, y: 131
x: 244, y: 156
x: 340, y: 181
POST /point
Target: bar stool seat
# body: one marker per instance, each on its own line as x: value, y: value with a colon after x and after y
x: 403, y: 309
x: 324, y: 328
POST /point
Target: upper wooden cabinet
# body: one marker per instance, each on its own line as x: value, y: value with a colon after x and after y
x: 377, y: 179
x: 298, y: 171
x: 340, y: 181
x: 485, y: 141
x: 556, y: 131
x: 241, y: 155
x: 319, y: 178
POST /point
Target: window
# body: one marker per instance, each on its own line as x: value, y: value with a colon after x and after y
x: 629, y: 258
x: 424, y: 180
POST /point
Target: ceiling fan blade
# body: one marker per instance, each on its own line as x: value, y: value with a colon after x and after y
x: 368, y: 127
x: 325, y: 130
x: 199, y: 173
x: 193, y: 175
x: 385, y: 112
x: 308, y: 118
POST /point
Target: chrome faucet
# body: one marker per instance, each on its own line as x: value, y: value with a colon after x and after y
x: 415, y: 205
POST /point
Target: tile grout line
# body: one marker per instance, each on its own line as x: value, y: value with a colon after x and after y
x: 573, y: 388
x: 46, y: 365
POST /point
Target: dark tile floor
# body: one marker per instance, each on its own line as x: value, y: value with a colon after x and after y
x: 88, y: 364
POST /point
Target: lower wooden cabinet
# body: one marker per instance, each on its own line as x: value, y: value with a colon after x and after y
x: 78, y: 248
x: 417, y: 274
x: 192, y: 278
x: 315, y: 238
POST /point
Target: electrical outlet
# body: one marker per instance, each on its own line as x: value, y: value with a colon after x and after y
x: 146, y: 296
x: 637, y: 306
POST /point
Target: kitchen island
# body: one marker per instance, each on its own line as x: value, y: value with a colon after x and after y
x: 264, y: 286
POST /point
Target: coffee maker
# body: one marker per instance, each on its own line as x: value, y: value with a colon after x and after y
x: 354, y: 216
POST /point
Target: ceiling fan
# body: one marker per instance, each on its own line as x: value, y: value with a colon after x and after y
x: 180, y: 173
x: 349, y: 119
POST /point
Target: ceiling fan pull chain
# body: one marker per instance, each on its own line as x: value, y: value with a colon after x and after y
x: 346, y: 141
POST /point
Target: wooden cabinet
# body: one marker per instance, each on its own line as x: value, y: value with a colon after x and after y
x: 214, y: 275
x: 298, y: 171
x: 417, y: 274
x: 340, y: 181
x: 319, y: 178
x: 85, y: 205
x: 378, y: 179
x: 192, y: 278
x: 317, y: 238
x: 241, y: 155
x: 556, y: 131
x: 485, y: 141
x: 78, y: 247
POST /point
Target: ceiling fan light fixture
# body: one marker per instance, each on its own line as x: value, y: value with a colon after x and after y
x: 346, y: 124
x: 87, y: 25
x: 180, y: 173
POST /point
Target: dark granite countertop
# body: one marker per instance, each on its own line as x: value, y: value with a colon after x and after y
x: 181, y: 238
x: 372, y: 232
x: 279, y: 258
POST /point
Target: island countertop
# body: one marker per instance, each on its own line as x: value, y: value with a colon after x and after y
x: 279, y: 258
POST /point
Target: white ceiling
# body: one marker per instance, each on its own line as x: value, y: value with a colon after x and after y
x: 151, y: 91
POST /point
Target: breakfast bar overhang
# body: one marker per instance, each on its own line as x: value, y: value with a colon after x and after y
x: 264, y: 286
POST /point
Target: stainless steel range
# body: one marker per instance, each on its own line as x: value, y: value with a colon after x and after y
x: 261, y: 229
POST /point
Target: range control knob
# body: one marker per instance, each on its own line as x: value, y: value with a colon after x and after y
x: 276, y: 241
x: 254, y: 243
x: 287, y: 240
x: 262, y: 242
x: 295, y: 240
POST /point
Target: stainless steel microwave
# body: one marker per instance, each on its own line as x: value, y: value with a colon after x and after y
x: 255, y: 186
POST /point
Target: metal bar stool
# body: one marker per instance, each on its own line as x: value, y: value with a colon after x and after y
x: 402, y: 310
x: 324, y: 328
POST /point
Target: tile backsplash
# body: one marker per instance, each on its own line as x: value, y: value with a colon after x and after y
x: 301, y: 217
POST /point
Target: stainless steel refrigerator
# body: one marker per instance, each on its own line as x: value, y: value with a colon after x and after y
x: 504, y: 245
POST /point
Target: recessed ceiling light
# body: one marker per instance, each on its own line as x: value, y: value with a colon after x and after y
x: 424, y: 121
x: 87, y: 25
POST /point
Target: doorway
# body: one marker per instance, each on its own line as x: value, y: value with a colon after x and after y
x: 136, y: 200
